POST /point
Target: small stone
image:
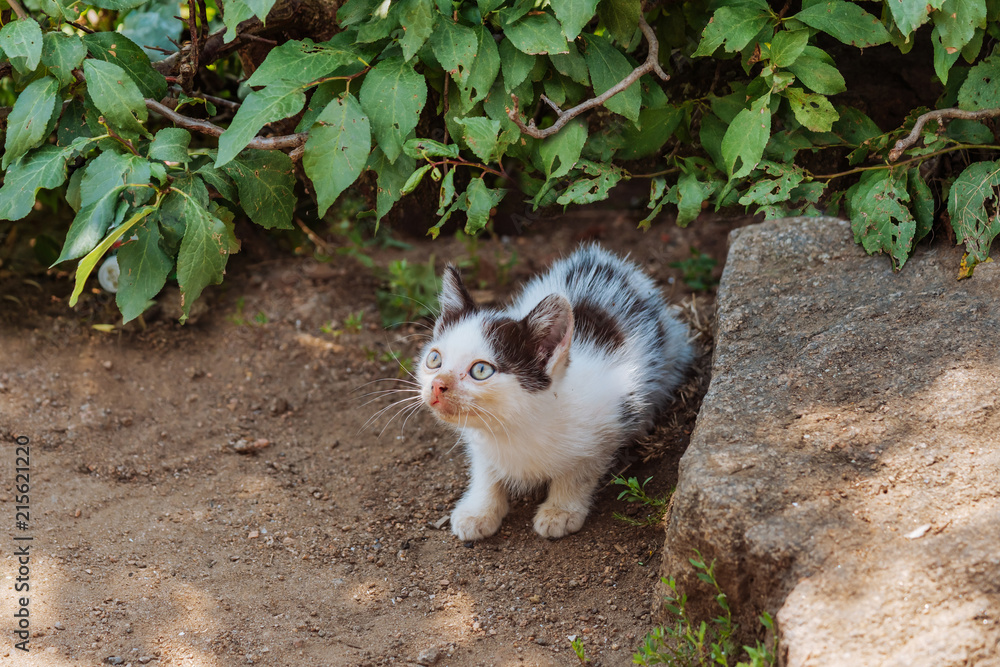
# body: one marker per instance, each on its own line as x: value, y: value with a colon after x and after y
x: 145, y: 658
x: 59, y: 626
x: 439, y: 524
x: 253, y: 535
x: 541, y: 641
x: 429, y: 656
x: 279, y: 406
x: 107, y: 365
x: 114, y: 660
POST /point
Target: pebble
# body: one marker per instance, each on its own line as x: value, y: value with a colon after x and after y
x: 429, y: 656
x: 145, y: 658
x: 114, y: 660
x: 439, y: 524
x: 59, y: 626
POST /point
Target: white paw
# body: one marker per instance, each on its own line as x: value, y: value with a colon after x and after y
x: 469, y: 525
x: 557, y: 522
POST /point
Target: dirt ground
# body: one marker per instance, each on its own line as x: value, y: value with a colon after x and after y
x: 210, y: 494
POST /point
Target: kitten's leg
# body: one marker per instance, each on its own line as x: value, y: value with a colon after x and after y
x: 479, y: 513
x: 568, y: 502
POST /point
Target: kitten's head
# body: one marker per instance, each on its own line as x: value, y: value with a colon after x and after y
x: 481, y: 365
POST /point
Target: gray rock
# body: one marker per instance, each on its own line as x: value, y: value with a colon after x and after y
x: 843, y: 469
x: 429, y: 656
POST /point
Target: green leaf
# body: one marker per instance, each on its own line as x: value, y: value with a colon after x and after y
x: 144, y: 269
x: 734, y: 27
x: 537, y: 34
x: 944, y: 57
x: 101, y: 175
x: 90, y: 225
x: 236, y: 13
x: 455, y: 46
x: 27, y: 124
x: 393, y: 95
x: 607, y: 68
x: 201, y: 260
x: 116, y: 48
x: 972, y: 205
x: 62, y: 53
x: 21, y: 41
x: 981, y: 89
x: 560, y: 152
x: 879, y: 217
x: 447, y: 192
x: 414, y: 180
x: 969, y: 132
x: 337, y: 149
x: 154, y: 26
x: 303, y: 61
x: 656, y: 126
x: 481, y: 201
x: 590, y: 190
x: 773, y: 190
x: 428, y: 148
x: 484, y: 70
x: 275, y: 102
x: 417, y: 18
x: 391, y: 176
x: 322, y: 95
x: 171, y: 145
x: 746, y: 137
x: 573, y: 65
x: 261, y: 8
x: 266, y: 183
x: 923, y: 203
x: 621, y: 18
x: 43, y: 168
x: 87, y: 264
x: 956, y: 22
x: 516, y: 65
x: 846, y: 22
x: 481, y: 135
x: 854, y: 127
x: 815, y: 69
x: 116, y: 96
x: 689, y: 194
x: 814, y: 111
x: 220, y: 180
x: 574, y: 15
x: 787, y: 46
x: 117, y: 5
x: 909, y: 14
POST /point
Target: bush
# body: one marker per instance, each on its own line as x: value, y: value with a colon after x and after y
x: 559, y: 101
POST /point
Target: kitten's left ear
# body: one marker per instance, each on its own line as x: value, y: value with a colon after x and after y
x: 551, y: 326
x: 454, y: 299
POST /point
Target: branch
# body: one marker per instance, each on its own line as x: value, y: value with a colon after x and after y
x: 18, y: 9
x: 651, y: 64
x: 205, y: 127
x: 937, y: 115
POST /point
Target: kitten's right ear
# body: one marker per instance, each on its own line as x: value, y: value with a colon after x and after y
x: 454, y: 299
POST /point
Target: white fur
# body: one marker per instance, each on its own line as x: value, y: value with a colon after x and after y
x: 565, y: 435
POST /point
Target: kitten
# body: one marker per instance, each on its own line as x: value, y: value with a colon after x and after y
x: 547, y: 389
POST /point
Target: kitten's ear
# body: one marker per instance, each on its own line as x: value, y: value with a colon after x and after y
x: 454, y: 299
x: 550, y: 324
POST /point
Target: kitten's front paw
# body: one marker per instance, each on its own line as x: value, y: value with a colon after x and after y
x: 556, y: 522
x: 468, y: 525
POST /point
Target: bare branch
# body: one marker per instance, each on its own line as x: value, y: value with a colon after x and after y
x: 18, y: 9
x: 937, y: 115
x: 651, y: 64
x: 205, y: 127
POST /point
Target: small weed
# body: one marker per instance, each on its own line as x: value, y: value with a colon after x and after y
x: 240, y: 320
x: 697, y: 270
x: 360, y: 236
x: 684, y: 644
x: 370, y: 354
x: 327, y: 328
x: 636, y: 493
x: 578, y: 648
x: 352, y: 324
x: 411, y: 294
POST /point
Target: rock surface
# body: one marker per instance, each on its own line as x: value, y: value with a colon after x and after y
x: 844, y: 467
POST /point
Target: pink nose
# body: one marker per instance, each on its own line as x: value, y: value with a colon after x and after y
x: 438, y: 387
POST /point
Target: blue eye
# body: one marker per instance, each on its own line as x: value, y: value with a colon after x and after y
x: 434, y: 359
x: 481, y: 370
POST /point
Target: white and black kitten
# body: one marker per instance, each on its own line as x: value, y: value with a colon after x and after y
x: 549, y: 388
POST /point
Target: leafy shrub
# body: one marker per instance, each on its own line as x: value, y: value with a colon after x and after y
x: 559, y: 100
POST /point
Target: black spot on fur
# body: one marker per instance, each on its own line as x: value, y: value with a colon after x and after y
x: 630, y: 411
x: 516, y: 353
x: 593, y: 323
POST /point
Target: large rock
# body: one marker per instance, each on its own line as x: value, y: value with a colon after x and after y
x: 845, y: 467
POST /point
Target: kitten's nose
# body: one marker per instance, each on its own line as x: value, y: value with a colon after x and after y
x: 438, y: 387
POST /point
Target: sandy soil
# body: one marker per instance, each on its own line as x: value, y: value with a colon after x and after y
x: 209, y: 495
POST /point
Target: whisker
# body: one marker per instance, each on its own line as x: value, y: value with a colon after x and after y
x: 484, y: 421
x: 377, y: 398
x: 497, y: 420
x: 400, y: 411
x: 389, y: 391
x: 362, y: 386
x: 413, y: 411
x: 380, y: 412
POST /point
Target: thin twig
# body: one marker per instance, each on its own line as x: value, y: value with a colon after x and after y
x: 205, y: 127
x: 651, y: 64
x: 89, y: 31
x: 18, y: 9
x: 937, y: 115
x: 919, y: 158
x: 195, y: 36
